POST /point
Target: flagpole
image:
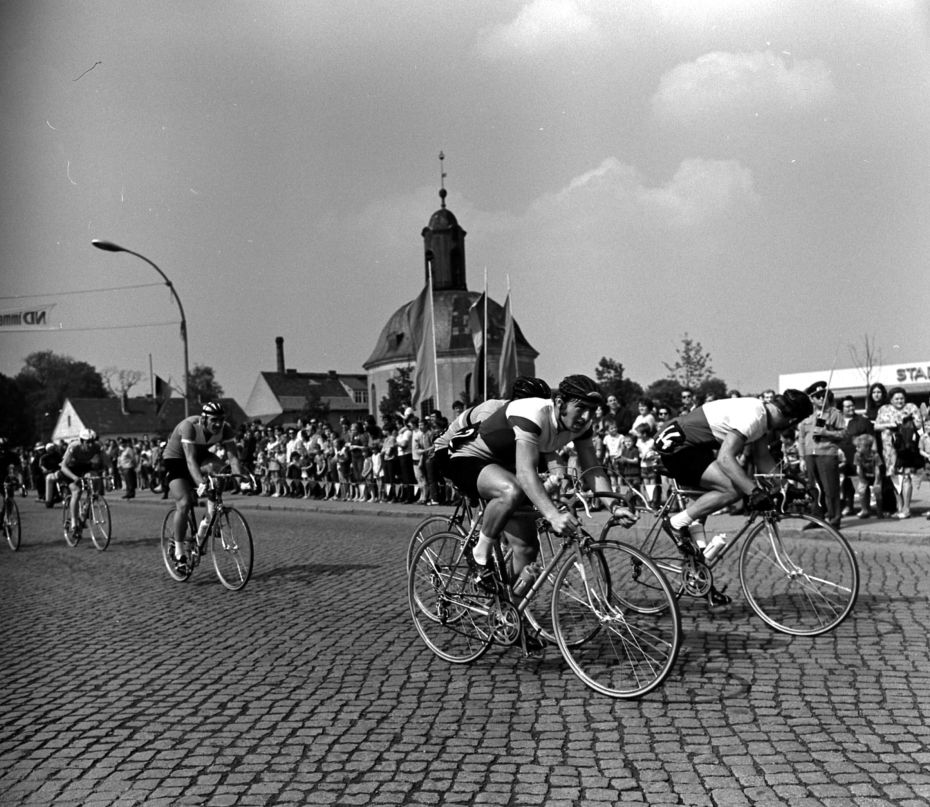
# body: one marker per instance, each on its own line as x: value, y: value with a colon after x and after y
x: 485, y: 335
x: 432, y: 316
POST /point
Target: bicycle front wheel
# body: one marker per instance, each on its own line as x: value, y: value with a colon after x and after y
x: 100, y: 525
x: 429, y: 526
x: 71, y: 538
x: 177, y: 572
x: 11, y: 526
x: 616, y: 620
x: 450, y: 610
x: 799, y: 574
x: 231, y: 547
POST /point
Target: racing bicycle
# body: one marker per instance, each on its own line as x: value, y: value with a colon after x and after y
x: 798, y: 574
x: 227, y: 533
x: 614, y: 616
x: 93, y: 512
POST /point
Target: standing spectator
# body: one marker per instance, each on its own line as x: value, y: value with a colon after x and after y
x: 631, y: 467
x: 854, y: 425
x: 900, y: 423
x: 648, y: 463
x: 437, y: 426
x: 389, y: 463
x: 126, y: 461
x: 646, y: 415
x: 405, y: 458
x: 820, y: 435
x: 688, y: 402
x: 620, y: 415
x: 613, y: 444
x: 877, y: 398
x: 767, y: 396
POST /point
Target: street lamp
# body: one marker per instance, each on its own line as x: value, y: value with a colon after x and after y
x: 109, y: 246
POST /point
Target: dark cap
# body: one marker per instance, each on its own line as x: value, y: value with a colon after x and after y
x: 817, y: 388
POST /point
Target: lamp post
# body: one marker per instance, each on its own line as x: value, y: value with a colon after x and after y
x: 109, y: 246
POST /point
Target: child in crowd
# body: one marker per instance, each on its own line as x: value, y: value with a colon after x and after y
x: 292, y: 475
x: 613, y: 443
x: 630, y: 464
x: 867, y: 474
x: 648, y: 464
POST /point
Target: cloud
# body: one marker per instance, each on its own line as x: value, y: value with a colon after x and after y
x: 616, y: 196
x: 726, y: 84
x: 542, y: 25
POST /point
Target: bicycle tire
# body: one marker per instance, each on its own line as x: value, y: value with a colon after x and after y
x: 619, y: 651
x: 12, y: 528
x: 803, y: 583
x: 176, y: 572
x: 71, y: 539
x: 231, y: 548
x: 449, y: 609
x: 429, y: 526
x: 101, y: 526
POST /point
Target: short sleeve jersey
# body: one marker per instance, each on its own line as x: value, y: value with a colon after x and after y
x: 194, y: 434
x: 533, y: 420
x: 712, y: 422
x: 472, y: 416
x: 80, y: 457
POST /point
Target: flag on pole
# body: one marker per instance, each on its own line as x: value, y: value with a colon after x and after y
x: 423, y: 331
x: 479, y: 335
x: 162, y: 389
x: 508, y: 364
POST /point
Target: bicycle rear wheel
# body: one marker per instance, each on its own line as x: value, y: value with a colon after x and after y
x: 799, y: 574
x: 619, y: 630
x: 450, y: 610
x: 176, y: 571
x: 100, y: 524
x: 12, y: 529
x: 231, y: 547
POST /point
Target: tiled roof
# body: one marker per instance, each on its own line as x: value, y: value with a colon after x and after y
x: 106, y: 416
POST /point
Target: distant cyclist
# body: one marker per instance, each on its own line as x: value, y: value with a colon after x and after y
x: 703, y: 449
x: 85, y: 455
x: 187, y: 454
x: 501, y: 464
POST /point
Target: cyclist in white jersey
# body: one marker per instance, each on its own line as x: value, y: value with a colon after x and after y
x: 184, y: 457
x: 501, y: 464
x: 85, y: 455
x: 701, y: 449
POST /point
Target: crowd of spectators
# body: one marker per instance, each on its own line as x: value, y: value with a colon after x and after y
x: 860, y: 465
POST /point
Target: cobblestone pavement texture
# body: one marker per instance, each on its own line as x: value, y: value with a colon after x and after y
x: 311, y: 686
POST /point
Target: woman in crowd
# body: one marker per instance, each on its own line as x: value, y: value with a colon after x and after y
x: 899, y: 424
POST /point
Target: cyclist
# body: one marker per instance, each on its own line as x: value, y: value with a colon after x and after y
x: 83, y: 456
x: 703, y: 449
x: 186, y: 455
x: 500, y: 463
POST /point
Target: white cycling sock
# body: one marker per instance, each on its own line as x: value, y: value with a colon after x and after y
x: 681, y: 519
x: 482, y: 549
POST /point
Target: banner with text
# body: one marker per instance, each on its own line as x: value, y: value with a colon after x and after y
x: 20, y: 319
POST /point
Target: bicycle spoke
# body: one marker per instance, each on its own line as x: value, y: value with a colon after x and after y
x: 231, y: 545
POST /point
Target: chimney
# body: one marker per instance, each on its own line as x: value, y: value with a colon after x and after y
x: 279, y: 341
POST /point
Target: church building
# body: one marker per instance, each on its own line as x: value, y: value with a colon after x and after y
x: 460, y: 377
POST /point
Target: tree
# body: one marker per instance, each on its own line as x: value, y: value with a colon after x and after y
x: 609, y: 375
x: 202, y: 385
x: 399, y: 395
x: 866, y: 360
x: 315, y: 408
x: 714, y: 385
x: 119, y: 382
x: 47, y: 379
x: 692, y: 367
x: 15, y: 423
x: 665, y: 392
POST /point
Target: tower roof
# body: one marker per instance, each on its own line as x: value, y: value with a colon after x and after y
x: 453, y: 334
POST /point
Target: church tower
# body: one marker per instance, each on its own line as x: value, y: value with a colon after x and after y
x: 444, y: 245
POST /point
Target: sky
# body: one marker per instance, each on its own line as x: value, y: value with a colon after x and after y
x: 754, y: 174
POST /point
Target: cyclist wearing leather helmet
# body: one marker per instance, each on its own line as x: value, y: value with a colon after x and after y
x: 701, y: 449
x: 501, y: 463
x: 187, y: 453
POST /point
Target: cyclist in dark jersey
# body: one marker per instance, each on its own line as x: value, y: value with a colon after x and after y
x: 186, y: 454
x: 501, y: 464
x: 85, y: 455
x: 702, y: 449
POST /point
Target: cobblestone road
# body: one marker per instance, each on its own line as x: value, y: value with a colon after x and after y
x: 121, y: 687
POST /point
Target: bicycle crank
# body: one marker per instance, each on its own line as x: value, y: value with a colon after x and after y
x: 504, y: 622
x: 696, y: 578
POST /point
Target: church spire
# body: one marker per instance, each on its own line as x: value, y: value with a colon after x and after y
x: 444, y: 243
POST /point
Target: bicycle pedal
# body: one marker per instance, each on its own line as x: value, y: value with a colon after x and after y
x: 717, y: 599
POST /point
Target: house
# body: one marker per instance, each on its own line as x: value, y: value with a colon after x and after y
x: 280, y: 397
x: 129, y: 417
